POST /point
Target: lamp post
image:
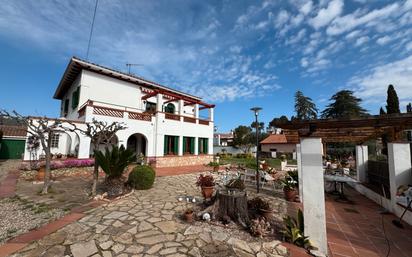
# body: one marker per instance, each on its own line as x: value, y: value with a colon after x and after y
x: 256, y: 111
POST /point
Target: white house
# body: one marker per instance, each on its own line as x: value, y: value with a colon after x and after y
x: 163, y: 124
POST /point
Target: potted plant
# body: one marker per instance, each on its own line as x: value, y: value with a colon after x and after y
x: 293, y: 231
x: 235, y: 185
x: 206, y: 182
x: 289, y: 188
x: 261, y: 207
x: 188, y: 214
x: 215, y: 166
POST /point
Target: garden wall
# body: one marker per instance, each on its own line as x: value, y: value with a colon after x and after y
x: 178, y: 161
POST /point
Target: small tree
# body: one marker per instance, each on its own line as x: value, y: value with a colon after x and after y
x: 305, y: 108
x: 99, y: 132
x: 409, y: 107
x: 243, y: 138
x: 43, y: 130
x: 261, y: 125
x: 392, y: 101
x: 382, y: 111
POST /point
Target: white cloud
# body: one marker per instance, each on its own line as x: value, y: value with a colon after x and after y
x: 362, y: 40
x: 326, y: 15
x: 296, y: 38
x: 235, y: 49
x: 409, y: 46
x: 353, y: 34
x: 373, y: 85
x: 306, y: 8
x: 383, y: 40
x: 282, y: 18
x: 357, y: 18
x: 304, y: 62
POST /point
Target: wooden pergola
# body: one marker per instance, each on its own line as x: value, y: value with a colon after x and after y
x: 356, y: 130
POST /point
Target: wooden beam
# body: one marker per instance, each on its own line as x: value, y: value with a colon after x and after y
x: 147, y: 96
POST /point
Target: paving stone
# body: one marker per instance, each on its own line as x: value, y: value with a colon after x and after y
x: 125, y: 238
x: 205, y: 237
x: 154, y: 249
x: 261, y: 254
x: 154, y: 220
x: 269, y: 246
x: 256, y: 246
x: 100, y: 228
x: 117, y: 248
x: 133, y: 230
x: 240, y: 244
x: 167, y: 226
x: 115, y: 215
x: 193, y: 230
x: 57, y: 250
x: 83, y: 249
x: 219, y: 236
x: 168, y: 251
x: 147, y: 233
x: 134, y: 249
x: 106, y: 245
x: 151, y: 240
x: 241, y: 253
x: 282, y: 250
x: 195, y: 252
x: 144, y: 226
x: 117, y: 224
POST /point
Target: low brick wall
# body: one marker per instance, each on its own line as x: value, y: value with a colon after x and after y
x: 178, y: 161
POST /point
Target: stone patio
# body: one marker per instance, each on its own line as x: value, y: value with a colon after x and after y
x: 148, y: 223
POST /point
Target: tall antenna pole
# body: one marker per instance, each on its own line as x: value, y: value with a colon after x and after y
x: 91, y: 31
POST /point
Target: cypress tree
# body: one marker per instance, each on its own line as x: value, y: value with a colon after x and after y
x: 382, y: 111
x: 392, y: 101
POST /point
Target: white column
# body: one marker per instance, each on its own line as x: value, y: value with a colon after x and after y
x: 210, y: 145
x: 181, y: 107
x: 196, y: 111
x: 361, y: 162
x: 313, y: 192
x: 299, y: 162
x: 399, y: 158
x: 84, y: 147
x: 180, y: 146
x: 211, y: 114
x: 196, y: 146
x: 159, y: 102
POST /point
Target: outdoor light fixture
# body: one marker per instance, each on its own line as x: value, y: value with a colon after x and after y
x: 256, y: 111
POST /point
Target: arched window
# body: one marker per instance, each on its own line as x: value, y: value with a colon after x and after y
x: 170, y: 108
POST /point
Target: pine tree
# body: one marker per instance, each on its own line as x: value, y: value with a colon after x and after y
x: 392, y: 101
x: 382, y: 111
x: 344, y: 105
x: 305, y: 108
x: 409, y: 108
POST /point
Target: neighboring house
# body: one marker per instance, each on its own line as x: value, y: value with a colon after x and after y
x: 223, y: 139
x: 278, y: 143
x: 13, y: 141
x: 163, y: 124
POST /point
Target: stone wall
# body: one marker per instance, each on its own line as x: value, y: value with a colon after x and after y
x: 178, y: 161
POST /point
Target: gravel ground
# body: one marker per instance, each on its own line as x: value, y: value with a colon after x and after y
x: 18, y: 216
x: 6, y: 166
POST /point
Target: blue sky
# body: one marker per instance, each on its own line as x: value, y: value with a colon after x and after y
x: 236, y: 54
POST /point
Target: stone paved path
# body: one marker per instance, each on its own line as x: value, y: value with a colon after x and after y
x: 147, y: 223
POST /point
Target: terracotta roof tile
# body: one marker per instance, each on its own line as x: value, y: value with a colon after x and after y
x: 278, y: 139
x: 13, y: 131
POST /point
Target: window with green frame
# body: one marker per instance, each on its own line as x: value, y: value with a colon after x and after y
x: 75, y: 98
x: 188, y: 145
x: 66, y: 107
x: 171, y: 145
x: 203, y: 145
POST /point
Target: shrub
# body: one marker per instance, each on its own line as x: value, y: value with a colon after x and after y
x: 142, y: 177
x: 257, y: 204
x: 236, y: 184
x: 113, y: 162
x: 293, y: 230
x: 205, y: 181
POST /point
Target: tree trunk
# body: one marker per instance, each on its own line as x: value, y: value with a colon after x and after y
x: 95, y: 177
x: 233, y: 206
x: 47, y: 168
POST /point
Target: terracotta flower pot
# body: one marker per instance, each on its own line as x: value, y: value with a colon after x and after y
x: 189, y: 217
x: 207, y: 192
x: 41, y: 174
x: 290, y: 194
x: 268, y: 214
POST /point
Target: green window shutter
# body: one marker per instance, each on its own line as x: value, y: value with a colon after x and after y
x: 206, y: 145
x: 184, y: 144
x: 176, y: 145
x: 199, y: 149
x: 166, y: 144
x: 75, y: 98
x: 192, y: 145
x: 66, y: 106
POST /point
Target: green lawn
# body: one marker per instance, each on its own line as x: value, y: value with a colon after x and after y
x: 251, y: 162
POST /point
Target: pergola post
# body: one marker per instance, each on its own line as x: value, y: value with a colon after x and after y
x: 313, y: 192
x: 299, y: 162
x: 361, y: 163
x: 399, y: 158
